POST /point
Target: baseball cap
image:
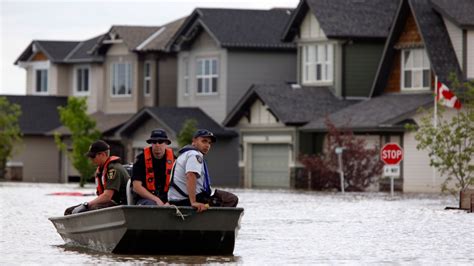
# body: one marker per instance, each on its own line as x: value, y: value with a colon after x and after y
x: 205, y: 133
x: 96, y: 147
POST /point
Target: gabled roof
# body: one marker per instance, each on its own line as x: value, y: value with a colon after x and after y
x: 346, y: 18
x: 56, y: 51
x: 460, y: 12
x: 290, y: 106
x: 238, y: 28
x: 39, y: 114
x: 383, y: 113
x: 81, y: 53
x: 173, y: 118
x: 161, y: 42
x: 435, y: 40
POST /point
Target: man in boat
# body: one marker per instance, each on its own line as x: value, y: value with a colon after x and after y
x: 111, y: 179
x: 152, y: 170
x: 190, y: 180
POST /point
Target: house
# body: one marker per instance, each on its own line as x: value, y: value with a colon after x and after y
x: 222, y: 52
x: 339, y: 45
x: 424, y: 42
x: 223, y: 157
x: 37, y: 157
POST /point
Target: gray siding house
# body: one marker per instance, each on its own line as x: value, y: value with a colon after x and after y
x: 339, y: 44
x: 222, y: 52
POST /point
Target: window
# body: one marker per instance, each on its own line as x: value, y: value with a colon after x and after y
x: 318, y: 63
x: 186, y: 76
x: 147, y: 78
x: 41, y: 86
x: 82, y: 81
x: 206, y: 76
x: 121, y: 79
x: 415, y: 69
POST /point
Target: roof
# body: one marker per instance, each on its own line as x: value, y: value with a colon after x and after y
x: 435, y: 39
x: 39, y: 114
x: 81, y: 53
x: 288, y: 105
x: 56, y: 51
x: 239, y: 28
x: 133, y: 36
x: 461, y: 12
x: 162, y: 41
x: 383, y: 113
x: 346, y: 18
x: 174, y: 118
x: 105, y: 123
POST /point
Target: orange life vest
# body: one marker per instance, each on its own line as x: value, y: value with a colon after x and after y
x: 150, y: 173
x: 101, y: 179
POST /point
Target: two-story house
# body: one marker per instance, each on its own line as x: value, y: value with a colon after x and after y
x: 221, y: 52
x: 427, y: 39
x: 339, y: 45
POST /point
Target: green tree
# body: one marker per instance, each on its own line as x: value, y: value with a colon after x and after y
x: 83, y: 132
x: 185, y: 136
x: 10, y: 133
x: 450, y: 145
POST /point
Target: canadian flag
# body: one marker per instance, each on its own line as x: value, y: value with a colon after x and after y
x: 446, y: 97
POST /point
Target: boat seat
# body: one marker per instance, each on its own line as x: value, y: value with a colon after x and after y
x: 129, y: 191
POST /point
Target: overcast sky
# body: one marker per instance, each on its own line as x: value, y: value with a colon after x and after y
x: 22, y: 21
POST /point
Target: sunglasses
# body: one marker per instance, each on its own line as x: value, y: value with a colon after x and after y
x: 157, y: 141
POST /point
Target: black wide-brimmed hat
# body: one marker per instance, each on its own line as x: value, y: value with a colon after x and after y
x: 205, y: 134
x: 96, y: 147
x: 157, y: 135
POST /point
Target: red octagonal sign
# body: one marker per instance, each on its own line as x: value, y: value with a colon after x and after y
x: 391, y: 154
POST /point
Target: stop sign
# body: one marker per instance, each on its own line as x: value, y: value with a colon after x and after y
x: 391, y: 154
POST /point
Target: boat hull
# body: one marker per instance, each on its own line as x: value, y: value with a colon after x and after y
x: 153, y: 230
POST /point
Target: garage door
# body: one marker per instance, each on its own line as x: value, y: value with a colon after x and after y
x: 270, y: 166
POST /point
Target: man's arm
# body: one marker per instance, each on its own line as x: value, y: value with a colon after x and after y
x: 144, y: 193
x: 103, y: 198
x: 191, y: 186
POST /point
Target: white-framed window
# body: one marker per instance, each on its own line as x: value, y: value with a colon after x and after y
x: 206, y: 76
x: 318, y: 63
x: 147, y: 78
x: 82, y: 80
x: 415, y: 70
x: 186, y: 76
x: 121, y: 79
x: 41, y: 81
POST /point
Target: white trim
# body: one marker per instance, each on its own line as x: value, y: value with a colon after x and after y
x: 147, y: 78
x: 112, y: 41
x: 82, y: 93
x: 128, y: 79
x: 149, y: 39
x: 413, y: 69
x: 209, y: 76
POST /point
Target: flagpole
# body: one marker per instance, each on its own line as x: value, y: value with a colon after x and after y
x: 435, y: 123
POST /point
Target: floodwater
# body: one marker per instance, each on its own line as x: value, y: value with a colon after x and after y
x: 278, y: 227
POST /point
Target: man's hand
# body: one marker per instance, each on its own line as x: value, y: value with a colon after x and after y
x: 200, y: 206
x: 81, y: 208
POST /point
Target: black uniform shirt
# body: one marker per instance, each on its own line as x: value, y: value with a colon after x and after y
x: 159, y: 167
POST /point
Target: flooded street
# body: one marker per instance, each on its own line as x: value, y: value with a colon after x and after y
x: 278, y: 227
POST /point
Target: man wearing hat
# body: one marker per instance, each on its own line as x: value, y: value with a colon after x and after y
x: 152, y: 170
x: 190, y: 181
x: 111, y: 179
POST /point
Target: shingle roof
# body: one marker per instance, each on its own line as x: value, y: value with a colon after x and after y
x: 241, y: 28
x: 56, y: 51
x: 133, y: 36
x: 461, y: 12
x: 162, y: 41
x: 435, y: 39
x: 39, y: 113
x: 290, y: 106
x: 346, y: 18
x: 381, y: 113
x: 81, y: 52
x: 174, y: 118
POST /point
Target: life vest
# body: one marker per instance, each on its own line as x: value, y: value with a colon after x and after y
x: 150, y: 173
x: 101, y: 179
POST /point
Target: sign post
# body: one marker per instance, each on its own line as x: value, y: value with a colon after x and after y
x: 391, y: 154
x: 339, y: 151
